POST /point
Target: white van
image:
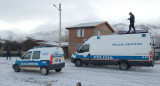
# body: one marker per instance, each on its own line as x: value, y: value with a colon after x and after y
x: 45, y: 59
x: 124, y: 50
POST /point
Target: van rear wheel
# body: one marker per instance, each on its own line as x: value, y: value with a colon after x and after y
x: 123, y: 66
x: 44, y: 71
x: 58, y: 70
x: 78, y: 63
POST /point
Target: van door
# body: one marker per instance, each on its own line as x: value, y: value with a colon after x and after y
x: 84, y: 54
x: 36, y: 59
x: 58, y: 56
x: 26, y: 60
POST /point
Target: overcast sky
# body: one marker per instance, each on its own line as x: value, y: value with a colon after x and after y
x: 29, y: 16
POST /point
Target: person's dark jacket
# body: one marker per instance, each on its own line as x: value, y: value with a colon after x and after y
x: 132, y: 18
x: 8, y: 51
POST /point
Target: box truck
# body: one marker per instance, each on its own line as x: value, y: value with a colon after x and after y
x: 125, y: 50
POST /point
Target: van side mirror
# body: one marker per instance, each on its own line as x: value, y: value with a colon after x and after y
x: 78, y: 50
x: 21, y: 58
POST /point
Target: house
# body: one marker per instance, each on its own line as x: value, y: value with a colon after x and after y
x: 78, y: 34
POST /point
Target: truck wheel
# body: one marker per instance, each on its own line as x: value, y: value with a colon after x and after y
x: 123, y: 66
x: 78, y: 63
x: 86, y: 64
x: 58, y: 70
x: 16, y: 68
x: 44, y: 71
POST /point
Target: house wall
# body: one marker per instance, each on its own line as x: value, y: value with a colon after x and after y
x: 104, y: 30
x: 73, y: 35
x: 65, y: 50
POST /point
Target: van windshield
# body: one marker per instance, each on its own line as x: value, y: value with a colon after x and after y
x: 84, y: 48
x: 27, y: 55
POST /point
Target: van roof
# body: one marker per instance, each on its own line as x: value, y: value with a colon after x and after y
x: 44, y: 48
x: 116, y: 36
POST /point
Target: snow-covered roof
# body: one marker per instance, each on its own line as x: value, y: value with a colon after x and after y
x: 91, y: 24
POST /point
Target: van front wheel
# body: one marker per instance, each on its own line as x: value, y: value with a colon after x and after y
x: 16, y: 68
x: 78, y: 63
x: 123, y: 66
x: 44, y: 71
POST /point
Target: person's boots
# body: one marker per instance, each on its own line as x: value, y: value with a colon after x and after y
x: 134, y: 30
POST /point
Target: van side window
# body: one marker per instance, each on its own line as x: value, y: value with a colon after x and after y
x: 36, y: 55
x: 27, y: 55
x: 85, y: 48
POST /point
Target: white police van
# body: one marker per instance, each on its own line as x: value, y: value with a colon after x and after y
x: 45, y: 59
x: 124, y: 50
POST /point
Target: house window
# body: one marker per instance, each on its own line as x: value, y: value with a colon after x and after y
x: 80, y: 33
x: 99, y: 32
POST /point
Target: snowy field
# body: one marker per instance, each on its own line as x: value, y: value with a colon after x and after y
x: 87, y: 75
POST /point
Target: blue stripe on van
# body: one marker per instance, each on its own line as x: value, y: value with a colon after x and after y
x: 33, y: 63
x: 112, y: 57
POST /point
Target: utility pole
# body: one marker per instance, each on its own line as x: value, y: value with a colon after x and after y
x: 59, y: 22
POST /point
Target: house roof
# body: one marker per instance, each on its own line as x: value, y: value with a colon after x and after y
x: 91, y: 24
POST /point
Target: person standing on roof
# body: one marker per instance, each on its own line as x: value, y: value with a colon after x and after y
x: 132, y: 21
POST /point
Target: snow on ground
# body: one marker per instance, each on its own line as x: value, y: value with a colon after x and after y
x: 88, y: 75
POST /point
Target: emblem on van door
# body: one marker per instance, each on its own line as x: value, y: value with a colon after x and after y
x: 43, y: 61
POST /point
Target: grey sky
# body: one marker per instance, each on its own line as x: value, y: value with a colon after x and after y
x: 29, y: 16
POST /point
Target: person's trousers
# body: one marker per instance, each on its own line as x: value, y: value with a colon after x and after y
x: 131, y: 26
x: 8, y: 57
